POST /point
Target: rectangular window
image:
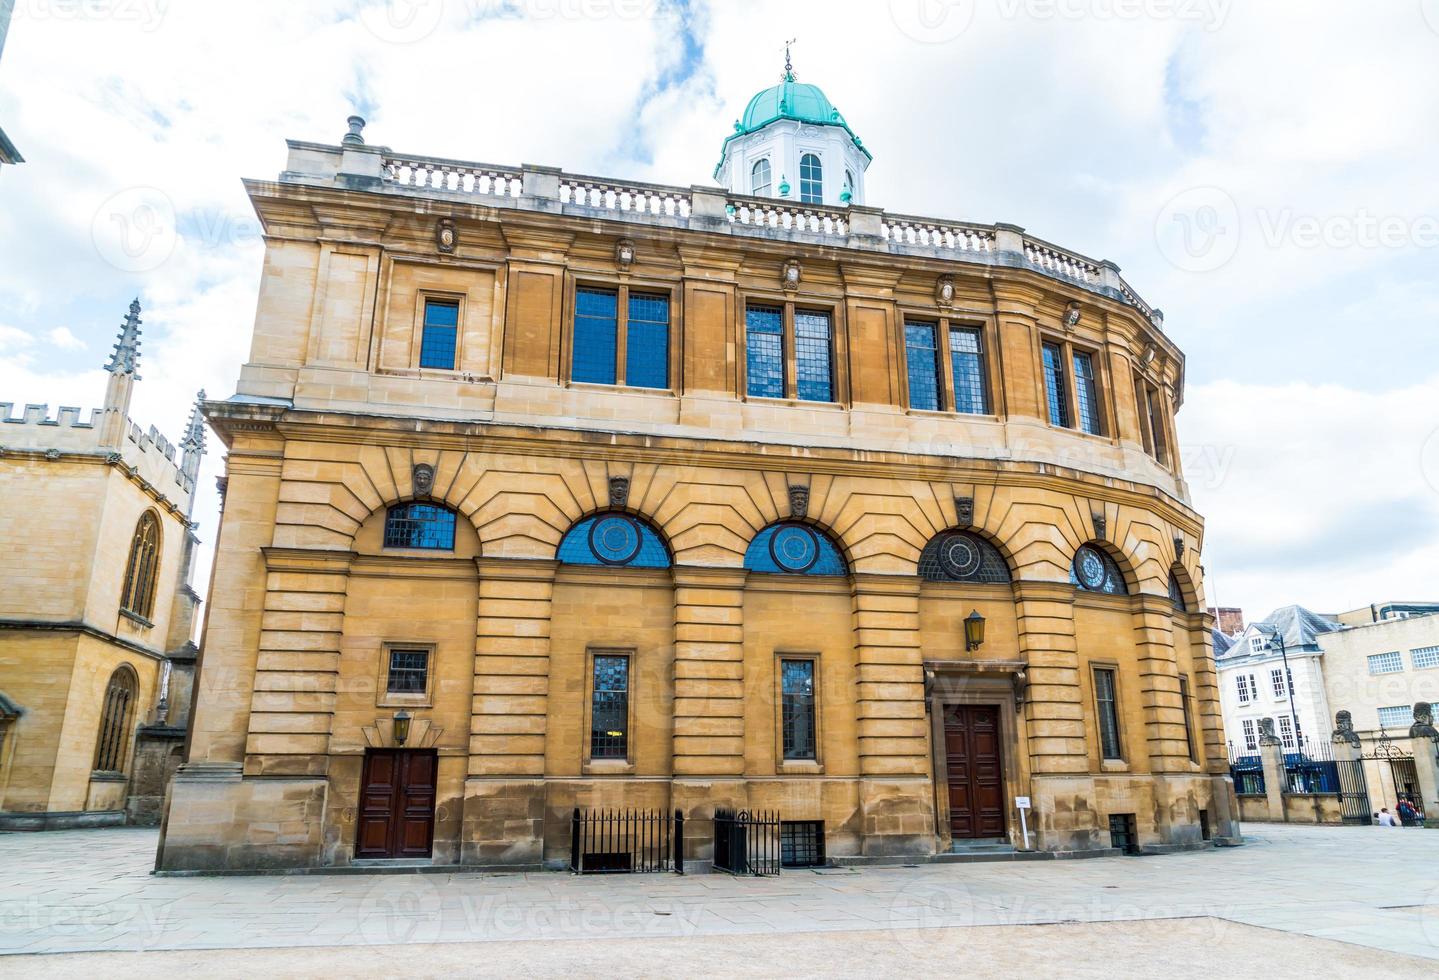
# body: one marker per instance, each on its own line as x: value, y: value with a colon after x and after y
x: 966, y: 358
x: 437, y: 340
x: 409, y: 671
x: 1286, y: 731
x: 1188, y: 719
x: 1107, y: 713
x: 1241, y: 684
x: 595, y: 337
x: 920, y: 352
x: 801, y: 844
x: 1155, y: 406
x: 797, y: 721
x: 610, y: 707
x: 647, y: 341
x: 1086, y: 391
x: 813, y: 373
x: 1276, y: 680
x: 1056, y: 388
x: 1259, y: 643
x: 1386, y: 663
x: 1251, y: 738
x: 1396, y: 716
x: 764, y: 351
x: 1424, y: 657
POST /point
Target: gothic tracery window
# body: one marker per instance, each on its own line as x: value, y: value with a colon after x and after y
x: 116, y: 715
x: 137, y: 595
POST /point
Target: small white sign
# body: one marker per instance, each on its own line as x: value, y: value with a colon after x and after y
x: 1022, y: 802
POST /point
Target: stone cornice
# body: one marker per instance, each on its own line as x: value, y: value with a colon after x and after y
x: 107, y: 459
x: 73, y: 626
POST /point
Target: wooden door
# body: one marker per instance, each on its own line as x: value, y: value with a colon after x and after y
x: 975, y: 772
x: 397, y: 804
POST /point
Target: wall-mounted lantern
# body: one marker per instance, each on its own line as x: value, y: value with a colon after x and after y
x: 402, y: 726
x: 973, y: 631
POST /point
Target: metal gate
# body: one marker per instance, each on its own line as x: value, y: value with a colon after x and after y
x: 1406, y: 781
x: 747, y: 842
x: 626, y: 841
x: 1353, y: 792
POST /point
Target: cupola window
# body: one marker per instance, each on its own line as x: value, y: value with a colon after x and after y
x: 760, y: 180
x: 811, y: 180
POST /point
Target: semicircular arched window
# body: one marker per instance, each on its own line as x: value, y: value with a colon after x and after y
x: 1176, y: 594
x: 811, y: 179
x: 962, y: 556
x: 429, y: 527
x: 792, y: 548
x: 1094, y: 571
x: 760, y: 180
x: 117, y: 712
x: 613, y: 539
x: 138, y: 592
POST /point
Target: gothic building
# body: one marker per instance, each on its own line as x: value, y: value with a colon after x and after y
x: 549, y: 491
x: 96, y: 608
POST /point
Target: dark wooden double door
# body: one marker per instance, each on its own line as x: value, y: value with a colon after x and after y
x: 397, y: 804
x: 975, y: 772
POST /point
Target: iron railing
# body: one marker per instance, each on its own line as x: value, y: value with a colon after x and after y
x: 612, y: 841
x: 747, y: 842
x: 1247, y: 772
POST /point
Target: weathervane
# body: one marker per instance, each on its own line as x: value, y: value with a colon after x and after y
x: 788, y: 61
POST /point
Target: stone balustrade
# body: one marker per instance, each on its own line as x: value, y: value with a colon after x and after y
x: 627, y: 198
x: 1062, y: 263
x: 902, y: 230
x: 776, y: 214
x: 448, y: 175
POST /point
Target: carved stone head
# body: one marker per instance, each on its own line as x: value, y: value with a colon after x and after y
x: 790, y: 275
x: 1101, y: 526
x: 964, y: 509
x: 1344, y: 732
x: 619, y: 491
x: 798, y: 500
x: 624, y: 253
x: 944, y: 292
x: 423, y: 478
x: 1423, y: 726
x: 1266, y: 732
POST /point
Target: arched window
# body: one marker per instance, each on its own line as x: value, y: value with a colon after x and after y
x: 1176, y: 594
x: 811, y: 180
x: 415, y: 525
x: 138, y: 593
x: 116, y: 716
x: 759, y: 179
x: 791, y: 548
x: 613, y: 539
x: 962, y: 556
x: 1094, y: 571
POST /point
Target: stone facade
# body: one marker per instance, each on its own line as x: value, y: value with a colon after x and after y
x: 72, y: 495
x: 334, y: 417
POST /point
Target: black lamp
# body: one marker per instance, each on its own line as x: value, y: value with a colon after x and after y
x: 973, y: 631
x: 402, y: 726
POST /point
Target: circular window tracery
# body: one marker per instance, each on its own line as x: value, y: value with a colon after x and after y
x: 615, y: 539
x: 794, y: 548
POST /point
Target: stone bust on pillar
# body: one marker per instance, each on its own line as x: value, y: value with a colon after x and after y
x: 1266, y: 732
x: 1344, y: 733
x: 1423, y: 726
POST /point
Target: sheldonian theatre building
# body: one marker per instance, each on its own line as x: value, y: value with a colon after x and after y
x: 549, y: 495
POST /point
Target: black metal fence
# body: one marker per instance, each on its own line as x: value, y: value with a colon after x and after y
x: 747, y: 842
x: 612, y: 841
x: 1247, y: 772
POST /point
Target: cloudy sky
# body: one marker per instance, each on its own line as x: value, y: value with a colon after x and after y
x: 1263, y: 170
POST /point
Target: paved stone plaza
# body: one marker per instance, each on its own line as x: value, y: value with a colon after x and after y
x: 1294, y: 899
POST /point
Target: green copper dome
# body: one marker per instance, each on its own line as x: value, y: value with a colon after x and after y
x: 795, y: 101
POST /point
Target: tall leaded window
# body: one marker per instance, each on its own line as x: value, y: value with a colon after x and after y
x: 764, y: 348
x: 595, y: 337
x: 760, y: 179
x: 1152, y: 429
x: 797, y: 708
x: 1094, y: 571
x: 920, y: 356
x: 966, y: 358
x: 1086, y: 393
x: 417, y: 525
x: 647, y: 341
x: 116, y: 714
x: 1188, y: 720
x: 621, y: 329
x: 1286, y: 731
x: 137, y: 593
x: 811, y: 179
x: 814, y: 381
x: 791, y: 548
x: 1176, y: 594
x: 962, y: 556
x: 439, y: 334
x: 1056, y: 388
x: 613, y: 539
x: 1251, y: 737
x: 1106, y: 710
x: 409, y: 671
x: 1244, y: 688
x: 610, y: 707
x: 1276, y: 682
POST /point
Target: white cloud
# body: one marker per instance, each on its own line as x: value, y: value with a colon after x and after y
x: 63, y: 338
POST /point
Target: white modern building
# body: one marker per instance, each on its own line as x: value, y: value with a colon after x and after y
x: 1274, y: 669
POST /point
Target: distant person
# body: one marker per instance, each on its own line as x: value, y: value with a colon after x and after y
x: 1385, y: 818
x: 1408, y: 816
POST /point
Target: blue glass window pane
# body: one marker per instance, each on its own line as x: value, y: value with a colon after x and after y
x: 595, y: 341
x: 1094, y: 570
x: 793, y: 549
x: 813, y: 381
x: 961, y: 556
x: 1054, y: 386
x: 811, y: 180
x: 797, y: 721
x: 437, y: 340
x: 919, y: 348
x: 614, y: 540
x: 966, y: 358
x: 764, y: 349
x: 647, y: 342
x: 420, y: 526
x: 609, y: 708
x: 1087, y: 393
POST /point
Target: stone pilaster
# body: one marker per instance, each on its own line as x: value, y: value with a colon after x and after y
x: 1215, y: 759
x: 1159, y: 684
x: 298, y: 663
x: 896, y: 802
x: 1044, y: 615
x: 709, y: 672
x: 512, y: 665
